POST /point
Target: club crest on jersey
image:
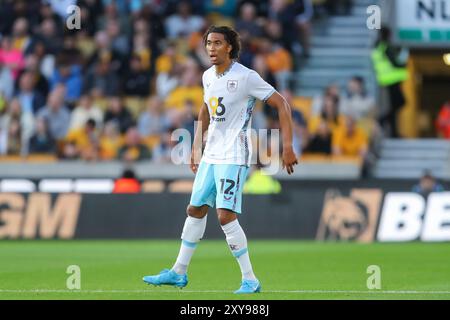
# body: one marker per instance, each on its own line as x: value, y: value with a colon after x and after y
x: 232, y: 85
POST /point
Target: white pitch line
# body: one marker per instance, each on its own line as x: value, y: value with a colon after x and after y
x: 225, y: 291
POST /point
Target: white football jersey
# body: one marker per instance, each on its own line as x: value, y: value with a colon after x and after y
x: 230, y: 99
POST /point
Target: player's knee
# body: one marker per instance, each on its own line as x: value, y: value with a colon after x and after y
x: 195, y: 212
x: 225, y: 216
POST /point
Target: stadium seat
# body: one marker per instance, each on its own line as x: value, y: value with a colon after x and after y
x: 153, y: 186
x: 29, y: 158
x: 323, y: 158
x: 181, y: 186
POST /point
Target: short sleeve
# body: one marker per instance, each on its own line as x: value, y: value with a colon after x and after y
x: 259, y: 88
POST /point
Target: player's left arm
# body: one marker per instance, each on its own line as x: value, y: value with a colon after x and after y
x: 284, y: 113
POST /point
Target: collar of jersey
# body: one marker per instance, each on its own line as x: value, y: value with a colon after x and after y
x: 220, y: 75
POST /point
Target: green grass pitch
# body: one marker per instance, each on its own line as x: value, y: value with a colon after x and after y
x: 287, y: 270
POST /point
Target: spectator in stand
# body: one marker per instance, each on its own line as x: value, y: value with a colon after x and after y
x: 7, y: 16
x: 70, y: 76
x: 443, y: 121
x: 18, y: 127
x: 152, y: 11
x: 169, y: 69
x: 6, y: 82
x: 90, y: 13
x: 119, y: 113
x: 13, y: 137
x: 11, y: 57
x: 284, y: 13
x: 330, y: 113
x: 142, y: 49
x: 183, y: 23
x: 82, y: 143
x: 137, y: 81
x: 133, y: 149
x: 357, y: 102
x: 279, y: 62
x: 112, y: 10
x: 110, y: 141
x: 320, y: 141
x: 56, y: 114
x: 47, y: 34
x: 104, y: 53
x: 350, y: 141
x: 169, y: 57
x: 46, y: 60
x: 101, y: 80
x: 145, y: 43
x: 127, y: 183
x: 42, y: 140
x: 30, y: 99
x: 153, y: 120
x: 189, y: 89
x: 21, y: 39
x: 3, y: 102
x: 427, y: 185
x: 85, y: 110
x: 85, y: 45
x: 46, y: 12
x: 247, y: 23
x: 318, y: 101
x: 32, y: 65
x: 305, y: 11
x: 119, y: 41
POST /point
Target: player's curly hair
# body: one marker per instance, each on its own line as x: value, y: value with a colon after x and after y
x: 231, y: 36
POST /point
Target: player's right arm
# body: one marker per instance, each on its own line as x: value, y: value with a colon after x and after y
x: 202, y: 126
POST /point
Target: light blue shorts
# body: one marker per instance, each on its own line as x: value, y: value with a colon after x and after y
x: 219, y: 184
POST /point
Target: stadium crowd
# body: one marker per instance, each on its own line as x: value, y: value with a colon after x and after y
x: 121, y: 84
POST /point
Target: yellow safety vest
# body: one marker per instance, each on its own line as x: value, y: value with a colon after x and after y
x: 260, y: 183
x: 387, y: 74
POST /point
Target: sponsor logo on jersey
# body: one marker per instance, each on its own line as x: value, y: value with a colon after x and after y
x: 218, y: 109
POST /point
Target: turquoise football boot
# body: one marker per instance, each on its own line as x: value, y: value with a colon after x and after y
x: 249, y: 286
x: 167, y: 277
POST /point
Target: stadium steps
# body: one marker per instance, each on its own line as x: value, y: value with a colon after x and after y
x: 340, y: 49
x: 342, y: 63
x: 407, y: 159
